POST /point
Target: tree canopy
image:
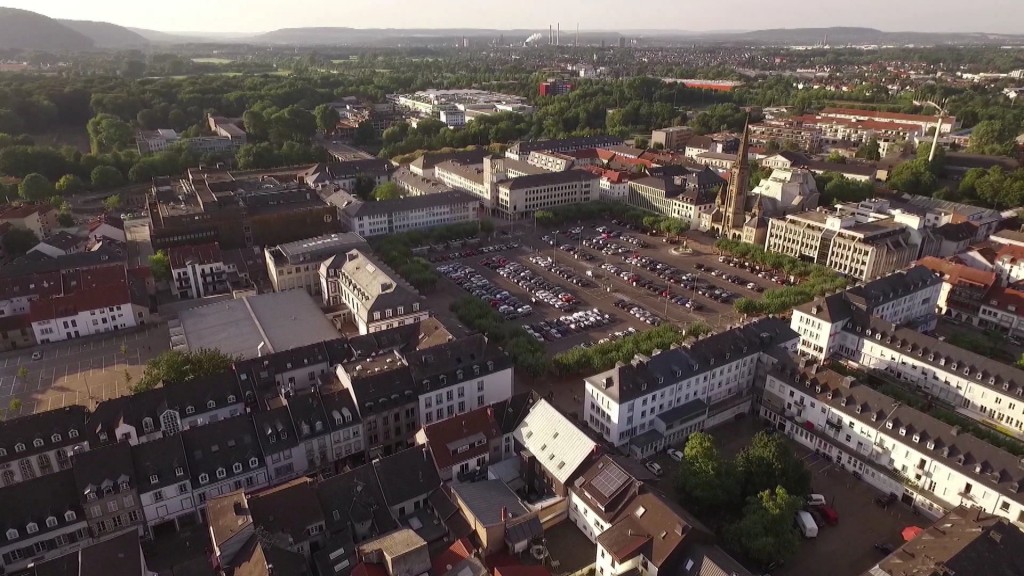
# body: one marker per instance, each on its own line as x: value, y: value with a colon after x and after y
x: 181, y: 366
x: 388, y: 191
x: 35, y: 187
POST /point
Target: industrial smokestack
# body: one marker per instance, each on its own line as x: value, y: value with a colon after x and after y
x: 551, y: 35
x: 558, y: 30
x: 577, y: 34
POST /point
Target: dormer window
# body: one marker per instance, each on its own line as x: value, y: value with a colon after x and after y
x: 953, y: 366
x: 231, y: 399
x: 147, y: 424
x: 19, y: 447
x: 3, y: 452
x: 103, y: 436
x: 204, y: 478
x: 458, y: 374
x: 211, y: 405
x: 190, y: 409
x: 476, y: 370
x: 917, y: 437
x: 991, y: 379
x: 179, y: 471
x: 237, y: 468
x: 319, y: 426
x: 253, y: 462
x: 903, y: 431
x: 931, y: 445
x: 284, y: 434
x: 490, y: 366
x: 889, y: 424
x: 51, y: 522
x: 72, y: 433
x: 12, y: 534
x: 69, y: 516
x: 38, y: 442
x: 55, y: 438
x: 153, y: 478
x: 32, y: 528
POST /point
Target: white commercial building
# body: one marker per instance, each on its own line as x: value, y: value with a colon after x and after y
x: 197, y: 271
x: 378, y: 298
x: 412, y: 213
x: 660, y: 400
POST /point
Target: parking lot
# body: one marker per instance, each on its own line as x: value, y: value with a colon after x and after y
x: 846, y: 549
x: 83, y: 371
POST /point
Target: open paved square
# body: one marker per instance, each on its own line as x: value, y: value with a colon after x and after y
x: 83, y: 371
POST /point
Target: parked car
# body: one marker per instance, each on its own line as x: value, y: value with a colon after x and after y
x: 805, y: 522
x: 654, y: 468
x: 886, y: 500
x: 815, y: 500
x: 38, y: 354
x: 829, y: 514
x: 674, y: 454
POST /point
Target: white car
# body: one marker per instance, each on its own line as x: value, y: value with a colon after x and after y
x: 654, y: 468
x: 815, y: 500
x: 38, y: 354
x: 674, y: 454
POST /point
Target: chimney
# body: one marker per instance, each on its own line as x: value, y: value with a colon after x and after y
x: 504, y: 514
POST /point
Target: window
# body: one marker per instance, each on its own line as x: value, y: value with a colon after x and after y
x: 12, y: 534
x: 55, y: 438
x: 179, y: 471
x: 253, y: 462
x: 237, y: 468
x: 69, y: 516
x: 211, y: 405
x: 38, y: 442
x: 221, y: 473
x: 51, y: 522
x: 204, y: 478
x: 32, y: 528
x: 112, y: 506
x: 190, y: 410
x: 147, y: 425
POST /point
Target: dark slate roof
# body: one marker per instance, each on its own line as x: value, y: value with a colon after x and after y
x: 646, y: 375
x: 104, y: 466
x: 354, y: 497
x: 274, y: 430
x: 161, y: 458
x: 337, y: 555
x: 464, y: 355
x: 871, y: 295
x: 608, y: 486
x: 510, y: 413
x: 406, y: 475
x: 857, y: 169
x: 58, y: 428
x: 409, y: 203
x: 35, y: 500
x: 221, y: 445
x: 431, y: 159
x: 958, y: 232
x: 523, y: 147
x: 289, y: 508
x: 117, y: 556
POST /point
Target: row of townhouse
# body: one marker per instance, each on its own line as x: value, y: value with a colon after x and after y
x: 885, y: 339
x: 660, y: 400
x: 268, y: 420
x: 893, y: 447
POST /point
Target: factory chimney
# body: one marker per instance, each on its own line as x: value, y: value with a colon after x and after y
x: 558, y: 30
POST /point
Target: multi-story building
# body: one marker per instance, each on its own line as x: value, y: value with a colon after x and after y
x: 685, y: 196
x: 521, y: 150
x: 667, y: 396
x: 347, y: 174
x: 521, y: 197
x: 109, y: 300
x: 151, y: 141
x: 603, y: 493
x: 59, y: 244
x: 1002, y: 311
x: 671, y: 138
x: 963, y: 288
x: 946, y: 123
x: 424, y: 165
x: 787, y: 132
x: 40, y: 519
x: 237, y: 212
x: 462, y: 447
x: 289, y: 516
x: 164, y: 484
x: 554, y: 87
x: 556, y: 451
x: 39, y: 218
x: 16, y: 332
x: 1008, y: 263
x: 224, y: 457
x: 413, y: 213
x: 353, y: 504
x: 378, y: 298
x: 453, y: 118
x: 296, y: 265
x: 346, y: 427
x: 41, y: 444
x: 895, y: 448
x: 468, y: 177
x: 407, y: 478
x: 852, y: 248
x: 108, y: 489
x: 415, y: 185
x: 906, y: 298
x: 197, y: 270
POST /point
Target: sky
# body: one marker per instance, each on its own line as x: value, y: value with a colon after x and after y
x: 251, y: 16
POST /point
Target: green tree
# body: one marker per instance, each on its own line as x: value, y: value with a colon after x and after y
x: 993, y: 137
x: 836, y: 157
x: 705, y: 481
x: 255, y: 124
x: 160, y: 264
x: 388, y: 191
x: 105, y: 177
x: 765, y: 533
x: 913, y: 177
x: 10, y: 122
x: 364, y: 186
x: 23, y: 372
x: 291, y: 124
x: 13, y: 406
x: 35, y: 187
x: 182, y: 366
x: 18, y: 241
x: 108, y: 133
x: 70, y: 184
x: 327, y: 118
x: 148, y: 119
x: 768, y: 462
x: 870, y: 150
x: 112, y: 203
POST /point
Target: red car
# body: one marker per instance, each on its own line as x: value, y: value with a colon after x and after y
x: 829, y: 514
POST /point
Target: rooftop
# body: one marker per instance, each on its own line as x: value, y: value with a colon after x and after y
x: 277, y: 321
x: 487, y: 499
x: 548, y: 179
x: 197, y: 254
x: 410, y: 203
x: 319, y: 248
x: 554, y: 440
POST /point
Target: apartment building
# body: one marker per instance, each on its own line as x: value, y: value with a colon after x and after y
x: 41, y: 444
x: 415, y: 185
x: 787, y: 132
x: 557, y: 452
x: 224, y: 457
x: 468, y: 177
x: 296, y: 265
x: 413, y: 213
x: 906, y: 298
x: 521, y: 197
x: 1008, y: 263
x: 165, y: 484
x: 661, y: 399
x: 671, y: 138
x: 858, y: 250
x: 685, y: 196
x: 108, y: 489
x: 39, y: 218
x: 40, y: 519
x: 603, y: 492
x: 924, y: 122
x: 927, y: 463
x: 963, y: 288
x: 425, y: 164
x: 197, y: 271
x: 461, y: 448
x: 378, y: 298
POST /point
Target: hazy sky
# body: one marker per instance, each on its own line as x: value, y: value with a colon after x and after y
x: 264, y: 15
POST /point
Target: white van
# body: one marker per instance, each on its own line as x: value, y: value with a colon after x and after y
x: 806, y: 523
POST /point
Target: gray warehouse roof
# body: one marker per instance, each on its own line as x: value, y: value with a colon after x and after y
x: 281, y: 320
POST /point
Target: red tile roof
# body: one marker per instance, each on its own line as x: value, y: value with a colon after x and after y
x: 11, y: 212
x: 1010, y: 253
x: 81, y: 300
x: 457, y: 552
x: 447, y: 436
x: 888, y: 115
x: 181, y: 256
x: 958, y: 273
x: 530, y: 570
x: 365, y: 569
x: 1005, y: 299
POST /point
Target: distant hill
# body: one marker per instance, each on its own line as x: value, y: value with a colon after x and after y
x: 157, y: 37
x: 106, y: 35
x: 24, y: 30
x: 375, y: 36
x: 841, y: 36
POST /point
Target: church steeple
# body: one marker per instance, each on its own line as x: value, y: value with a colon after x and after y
x: 738, y: 182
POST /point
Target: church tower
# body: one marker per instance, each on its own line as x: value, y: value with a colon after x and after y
x: 739, y: 179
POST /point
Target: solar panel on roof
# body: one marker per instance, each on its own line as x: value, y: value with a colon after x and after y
x: 609, y: 480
